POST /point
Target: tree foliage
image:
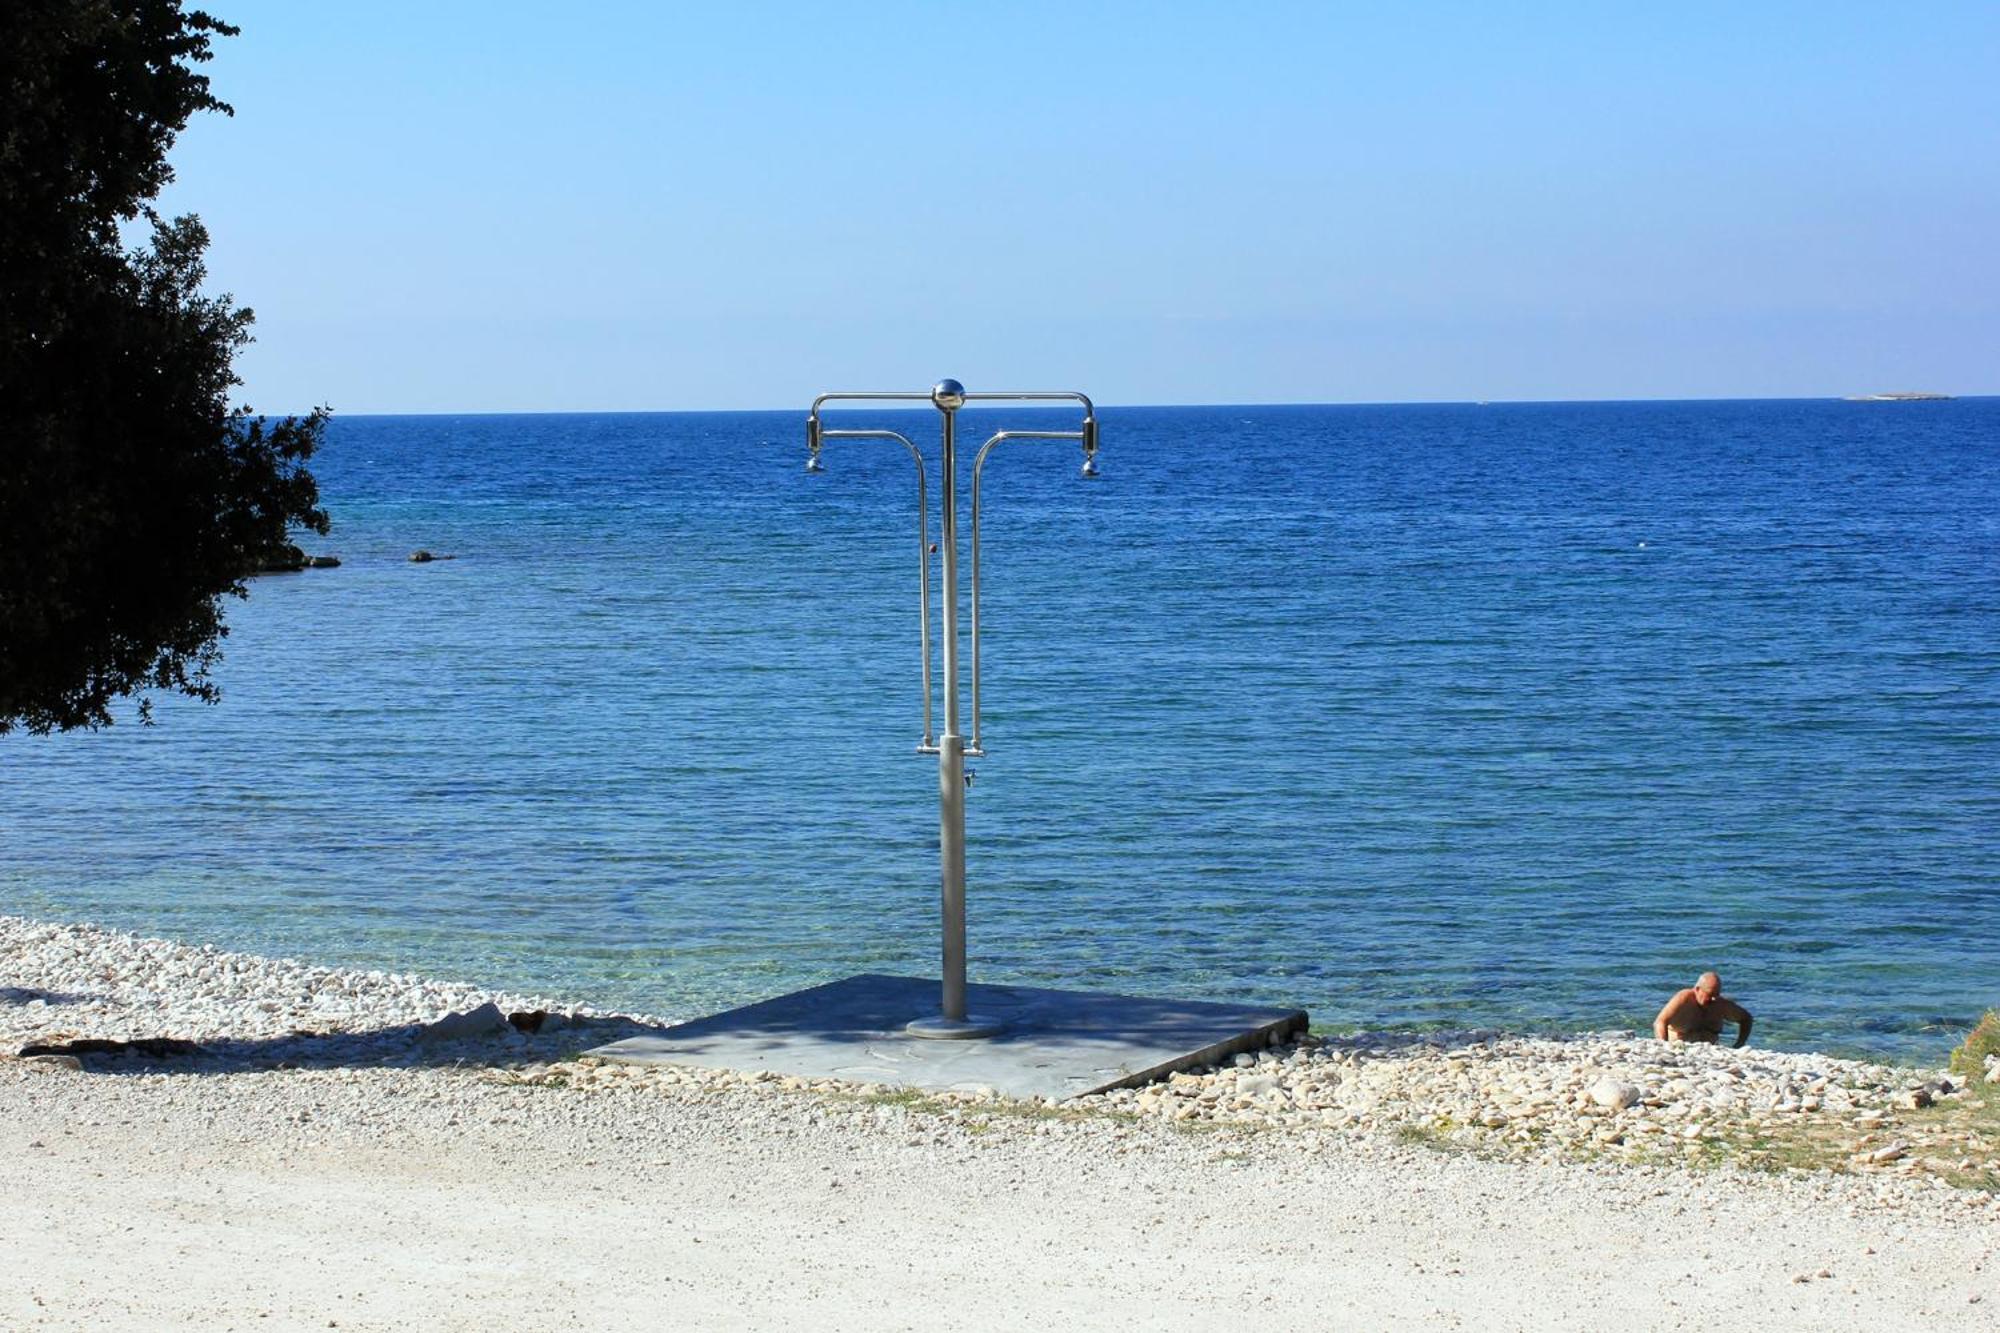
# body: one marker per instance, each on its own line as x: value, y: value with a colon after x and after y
x: 133, y: 497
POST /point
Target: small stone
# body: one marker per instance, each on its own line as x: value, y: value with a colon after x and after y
x: 1613, y: 1095
x: 49, y: 1063
x: 1915, y: 1099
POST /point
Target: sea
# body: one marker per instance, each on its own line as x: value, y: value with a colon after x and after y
x: 1435, y: 717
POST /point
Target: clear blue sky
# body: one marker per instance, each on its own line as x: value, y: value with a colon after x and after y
x: 500, y: 206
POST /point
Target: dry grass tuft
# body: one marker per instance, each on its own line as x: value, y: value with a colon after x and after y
x: 1979, y: 1044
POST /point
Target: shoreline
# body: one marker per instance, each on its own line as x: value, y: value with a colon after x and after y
x: 1609, y: 1095
x: 399, y: 979
x: 494, y: 1179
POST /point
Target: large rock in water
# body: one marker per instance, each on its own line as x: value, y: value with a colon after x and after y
x: 1612, y: 1095
x: 283, y: 558
x: 286, y: 558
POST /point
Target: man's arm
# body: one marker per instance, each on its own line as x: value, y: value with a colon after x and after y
x: 1741, y: 1017
x: 1667, y: 1012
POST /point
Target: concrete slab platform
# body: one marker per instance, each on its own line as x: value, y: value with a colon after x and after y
x: 1056, y: 1043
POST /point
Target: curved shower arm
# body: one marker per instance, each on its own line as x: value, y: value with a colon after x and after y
x: 978, y: 462
x: 886, y: 396
x: 923, y: 540
x: 1065, y: 396
x: 813, y: 427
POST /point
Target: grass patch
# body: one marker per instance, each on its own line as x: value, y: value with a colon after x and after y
x: 980, y: 1115
x: 1983, y: 1041
x: 1804, y: 1147
x: 1969, y: 1130
x: 523, y: 1078
x: 1441, y: 1134
x: 1958, y: 1140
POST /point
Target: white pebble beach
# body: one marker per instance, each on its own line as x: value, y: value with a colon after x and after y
x: 322, y: 1160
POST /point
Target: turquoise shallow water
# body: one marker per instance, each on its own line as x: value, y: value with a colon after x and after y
x: 1418, y: 716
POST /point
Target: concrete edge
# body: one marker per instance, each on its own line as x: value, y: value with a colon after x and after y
x: 1290, y: 1025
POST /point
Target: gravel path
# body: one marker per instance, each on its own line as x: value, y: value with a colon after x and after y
x: 379, y: 1176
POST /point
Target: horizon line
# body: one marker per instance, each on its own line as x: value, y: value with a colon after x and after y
x: 1132, y: 406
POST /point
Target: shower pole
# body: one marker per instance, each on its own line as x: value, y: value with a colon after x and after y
x: 952, y: 1020
x: 948, y: 396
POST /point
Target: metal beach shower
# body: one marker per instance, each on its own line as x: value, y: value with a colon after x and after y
x: 950, y: 746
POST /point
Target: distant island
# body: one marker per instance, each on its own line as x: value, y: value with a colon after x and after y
x: 1899, y: 398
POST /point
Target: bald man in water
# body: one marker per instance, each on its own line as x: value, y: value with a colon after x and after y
x: 1698, y: 1013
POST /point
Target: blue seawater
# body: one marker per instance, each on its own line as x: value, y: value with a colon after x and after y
x: 1419, y: 716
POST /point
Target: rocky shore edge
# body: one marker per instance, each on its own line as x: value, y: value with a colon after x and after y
x: 79, y: 999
